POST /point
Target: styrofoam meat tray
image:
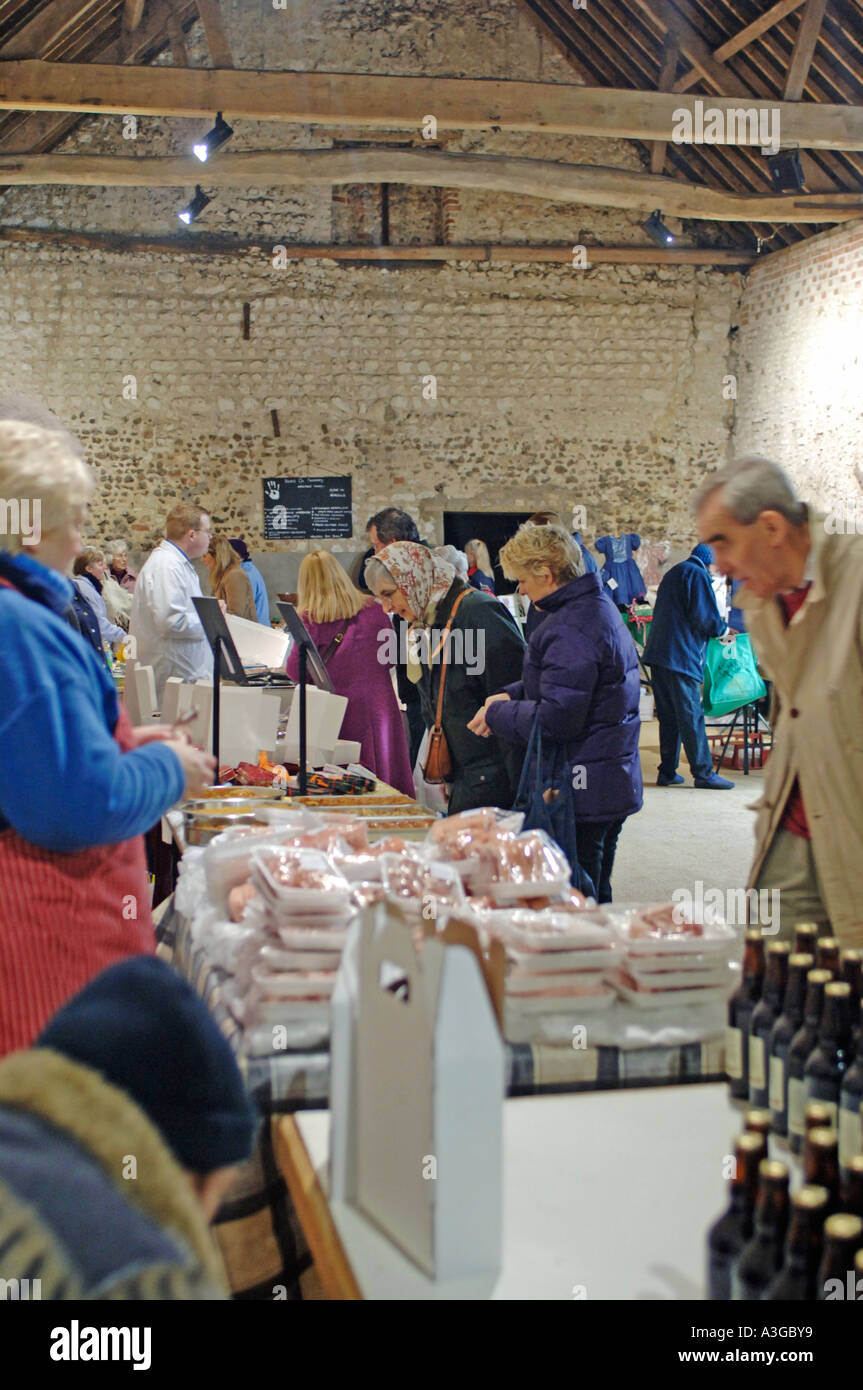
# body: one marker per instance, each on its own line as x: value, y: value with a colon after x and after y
x: 652, y: 980
x: 324, y: 938
x: 668, y: 998
x: 570, y: 1004
x: 544, y: 963
x: 529, y: 985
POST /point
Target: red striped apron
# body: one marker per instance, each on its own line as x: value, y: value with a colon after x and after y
x: 64, y: 918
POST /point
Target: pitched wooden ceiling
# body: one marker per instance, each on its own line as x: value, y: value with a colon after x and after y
x: 807, y: 50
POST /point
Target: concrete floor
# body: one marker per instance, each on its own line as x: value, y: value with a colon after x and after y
x: 682, y: 835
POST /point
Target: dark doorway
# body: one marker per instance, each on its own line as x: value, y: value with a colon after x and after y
x: 495, y: 528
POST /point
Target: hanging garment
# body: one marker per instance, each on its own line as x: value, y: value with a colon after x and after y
x: 620, y: 574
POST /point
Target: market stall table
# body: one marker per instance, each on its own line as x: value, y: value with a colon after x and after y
x: 598, y: 1201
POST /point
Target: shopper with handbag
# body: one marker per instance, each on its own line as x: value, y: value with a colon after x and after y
x: 356, y: 644
x: 577, y: 699
x: 463, y: 646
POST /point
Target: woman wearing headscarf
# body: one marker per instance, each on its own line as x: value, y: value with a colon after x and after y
x: 78, y: 784
x: 483, y: 653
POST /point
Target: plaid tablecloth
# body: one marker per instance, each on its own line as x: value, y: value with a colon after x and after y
x: 260, y: 1236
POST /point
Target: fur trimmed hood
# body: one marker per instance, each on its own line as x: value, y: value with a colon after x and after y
x: 110, y: 1127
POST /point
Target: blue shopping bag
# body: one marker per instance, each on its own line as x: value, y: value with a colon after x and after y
x: 556, y: 815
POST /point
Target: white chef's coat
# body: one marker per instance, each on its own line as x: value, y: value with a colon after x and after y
x: 166, y: 628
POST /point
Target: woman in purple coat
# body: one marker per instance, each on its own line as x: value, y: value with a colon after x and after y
x: 355, y: 638
x: 581, y: 679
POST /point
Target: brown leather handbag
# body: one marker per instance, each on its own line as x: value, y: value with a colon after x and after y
x: 438, y: 764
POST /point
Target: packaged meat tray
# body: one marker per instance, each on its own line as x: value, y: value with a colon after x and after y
x: 319, y: 938
x: 300, y: 881
x: 521, y: 866
x: 715, y: 977
x: 656, y: 930
x: 573, y: 1002
x: 640, y: 998
x: 550, y: 931
x: 293, y: 984
x: 531, y: 986
x: 544, y: 963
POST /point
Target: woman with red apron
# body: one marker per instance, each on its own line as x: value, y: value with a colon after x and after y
x: 78, y: 785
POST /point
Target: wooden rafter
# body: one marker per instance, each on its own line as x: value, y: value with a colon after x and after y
x: 214, y: 31
x: 390, y: 103
x: 804, y: 49
x: 200, y: 244
x: 175, y: 34
x: 590, y: 186
x: 133, y: 13
x: 693, y: 46
x: 50, y: 27
x: 742, y: 39
x: 670, y: 59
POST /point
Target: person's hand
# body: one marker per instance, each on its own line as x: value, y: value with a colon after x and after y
x: 199, y: 768
x: 154, y: 733
x: 478, y: 724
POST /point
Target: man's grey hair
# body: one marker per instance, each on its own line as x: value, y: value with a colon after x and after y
x: 376, y: 573
x: 751, y: 486
x: 454, y: 557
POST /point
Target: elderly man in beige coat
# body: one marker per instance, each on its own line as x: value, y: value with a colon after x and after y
x: 802, y: 597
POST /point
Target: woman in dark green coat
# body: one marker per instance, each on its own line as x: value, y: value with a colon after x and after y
x: 483, y: 651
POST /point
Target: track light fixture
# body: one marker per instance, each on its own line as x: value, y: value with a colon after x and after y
x: 195, y: 207
x: 657, y: 231
x: 213, y: 140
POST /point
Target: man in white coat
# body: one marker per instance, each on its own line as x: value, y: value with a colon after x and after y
x: 166, y: 628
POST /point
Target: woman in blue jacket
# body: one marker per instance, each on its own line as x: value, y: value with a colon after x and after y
x: 581, y: 681
x: 78, y: 785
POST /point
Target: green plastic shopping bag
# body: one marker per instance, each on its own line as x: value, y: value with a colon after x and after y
x: 731, y: 676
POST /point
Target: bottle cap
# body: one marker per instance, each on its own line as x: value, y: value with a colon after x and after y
x: 772, y: 1170
x: 810, y: 1198
x: 802, y: 959
x: 823, y: 1138
x: 779, y: 948
x: 838, y: 990
x: 843, y: 1226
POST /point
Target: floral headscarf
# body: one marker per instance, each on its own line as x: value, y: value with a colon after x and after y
x: 425, y: 579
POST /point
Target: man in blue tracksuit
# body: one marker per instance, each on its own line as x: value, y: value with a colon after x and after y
x: 685, y: 617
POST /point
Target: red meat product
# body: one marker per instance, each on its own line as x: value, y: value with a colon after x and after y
x: 238, y: 900
x: 249, y: 775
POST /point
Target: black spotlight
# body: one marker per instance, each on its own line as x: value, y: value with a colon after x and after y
x: 195, y: 208
x: 657, y: 230
x: 786, y: 172
x: 213, y: 140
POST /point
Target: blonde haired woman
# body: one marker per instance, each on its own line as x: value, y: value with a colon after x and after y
x: 78, y: 785
x: 480, y: 574
x: 228, y: 580
x: 355, y: 640
x: 580, y: 682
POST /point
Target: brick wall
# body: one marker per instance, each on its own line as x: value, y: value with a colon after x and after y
x: 800, y: 364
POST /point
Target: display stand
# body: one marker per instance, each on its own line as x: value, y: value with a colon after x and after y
x: 753, y: 723
x: 309, y: 657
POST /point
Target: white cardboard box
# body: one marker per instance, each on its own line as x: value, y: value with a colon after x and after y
x: 417, y: 1098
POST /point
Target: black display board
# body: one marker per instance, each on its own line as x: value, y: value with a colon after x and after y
x: 300, y: 509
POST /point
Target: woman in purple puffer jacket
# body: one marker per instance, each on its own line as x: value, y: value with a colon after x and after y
x: 581, y: 677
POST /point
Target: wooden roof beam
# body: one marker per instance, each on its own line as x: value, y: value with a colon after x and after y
x: 670, y: 59
x: 549, y: 179
x: 804, y: 49
x: 741, y: 40
x: 210, y: 16
x: 133, y: 13
x: 398, y: 103
x: 49, y: 28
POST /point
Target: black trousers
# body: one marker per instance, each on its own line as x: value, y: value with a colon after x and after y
x: 596, y: 842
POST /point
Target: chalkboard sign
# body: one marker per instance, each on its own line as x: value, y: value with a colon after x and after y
x: 297, y: 509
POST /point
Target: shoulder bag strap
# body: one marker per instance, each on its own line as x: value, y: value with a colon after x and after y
x: 325, y: 656
x: 443, y: 647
